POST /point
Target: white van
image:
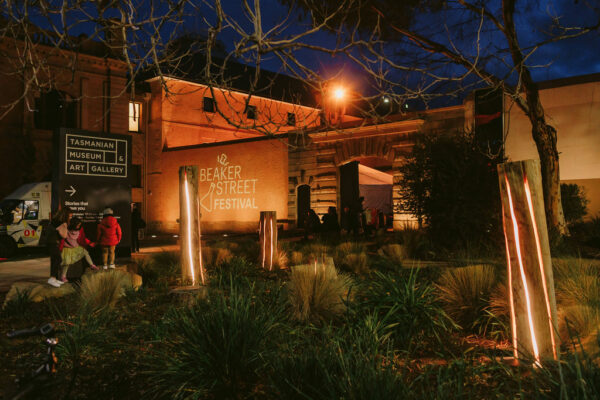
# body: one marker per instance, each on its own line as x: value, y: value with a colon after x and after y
x: 23, y: 215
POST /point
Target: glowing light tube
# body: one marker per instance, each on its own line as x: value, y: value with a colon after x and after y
x: 513, y: 317
x: 541, y: 263
x: 189, y: 228
x: 534, y: 344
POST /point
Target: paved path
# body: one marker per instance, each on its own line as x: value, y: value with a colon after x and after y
x: 31, y: 270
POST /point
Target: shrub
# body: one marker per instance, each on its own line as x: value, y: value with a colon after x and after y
x: 574, y: 202
x: 315, y: 251
x: 102, y: 290
x: 410, y: 307
x: 452, y: 185
x: 335, y: 371
x: 297, y: 258
x: 215, y: 348
x: 465, y: 293
x: 394, y: 253
x: 19, y: 304
x: 162, y: 269
x: 416, y: 244
x: 351, y: 256
x: 318, y: 294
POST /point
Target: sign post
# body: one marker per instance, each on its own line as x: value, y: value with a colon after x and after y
x: 92, y: 174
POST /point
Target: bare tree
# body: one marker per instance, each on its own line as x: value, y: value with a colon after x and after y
x: 404, y: 50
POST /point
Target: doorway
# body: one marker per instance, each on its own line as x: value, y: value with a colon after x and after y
x: 303, y: 202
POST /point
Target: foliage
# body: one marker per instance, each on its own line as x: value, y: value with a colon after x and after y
x: 465, y: 293
x: 335, y: 371
x: 453, y: 186
x: 410, y: 308
x: 18, y: 305
x: 351, y: 256
x: 161, y: 270
x: 103, y: 289
x: 416, y: 243
x: 317, y: 295
x: 574, y: 202
x: 394, y: 253
x: 214, y: 348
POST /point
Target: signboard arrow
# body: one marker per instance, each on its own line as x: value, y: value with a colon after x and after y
x: 71, y: 191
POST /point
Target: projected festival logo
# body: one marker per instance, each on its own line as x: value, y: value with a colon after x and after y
x: 228, y: 189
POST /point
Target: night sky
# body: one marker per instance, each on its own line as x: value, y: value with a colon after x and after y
x: 565, y: 58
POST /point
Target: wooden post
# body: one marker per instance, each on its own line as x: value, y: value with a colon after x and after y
x: 267, y: 232
x: 189, y: 226
x: 530, y: 279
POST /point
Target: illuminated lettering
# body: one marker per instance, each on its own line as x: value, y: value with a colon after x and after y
x: 229, y: 185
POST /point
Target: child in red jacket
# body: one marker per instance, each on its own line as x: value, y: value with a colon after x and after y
x: 109, y: 235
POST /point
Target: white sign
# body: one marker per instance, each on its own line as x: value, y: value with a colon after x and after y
x: 91, y: 156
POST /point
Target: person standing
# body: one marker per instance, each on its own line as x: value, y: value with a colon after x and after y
x: 137, y: 223
x: 57, y: 231
x: 109, y: 235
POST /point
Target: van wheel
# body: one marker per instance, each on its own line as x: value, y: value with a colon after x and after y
x: 8, y: 247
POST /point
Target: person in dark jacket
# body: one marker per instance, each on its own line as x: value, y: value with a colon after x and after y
x: 57, y: 231
x: 330, y: 221
x: 137, y: 223
x: 109, y: 235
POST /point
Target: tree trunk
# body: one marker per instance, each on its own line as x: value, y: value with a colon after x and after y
x: 545, y: 140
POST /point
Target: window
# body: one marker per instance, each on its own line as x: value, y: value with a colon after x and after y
x: 251, y: 112
x: 209, y: 104
x: 135, y: 175
x: 291, y: 119
x: 134, y: 116
x: 54, y: 110
x: 31, y: 210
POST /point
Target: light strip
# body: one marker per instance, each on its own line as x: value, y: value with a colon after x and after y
x: 513, y: 317
x: 536, y: 352
x: 541, y: 263
x: 200, y: 246
x: 189, y: 228
x: 264, y: 242
x: 271, y: 266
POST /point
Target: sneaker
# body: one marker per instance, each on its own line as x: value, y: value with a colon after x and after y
x: 111, y: 266
x: 94, y: 268
x: 64, y: 279
x: 54, y: 282
x: 105, y: 267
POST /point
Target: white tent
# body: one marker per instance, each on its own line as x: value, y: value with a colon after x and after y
x: 376, y: 187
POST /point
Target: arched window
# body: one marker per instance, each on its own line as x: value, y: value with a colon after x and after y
x: 54, y: 110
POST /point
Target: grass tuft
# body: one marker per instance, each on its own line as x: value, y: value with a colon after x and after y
x: 103, y: 289
x: 317, y: 294
x: 465, y: 293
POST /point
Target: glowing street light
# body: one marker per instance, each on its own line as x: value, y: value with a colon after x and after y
x: 339, y: 93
